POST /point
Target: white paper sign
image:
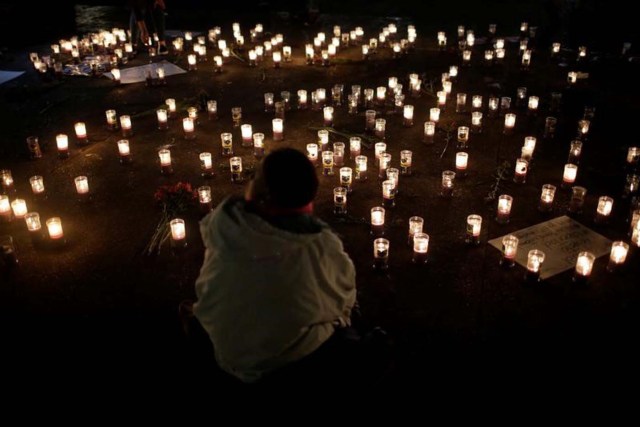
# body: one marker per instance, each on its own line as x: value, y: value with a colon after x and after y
x: 139, y: 74
x: 561, y: 239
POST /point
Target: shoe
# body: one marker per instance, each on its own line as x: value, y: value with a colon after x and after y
x: 163, y: 50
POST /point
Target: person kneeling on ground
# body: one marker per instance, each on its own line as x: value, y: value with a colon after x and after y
x: 276, y: 283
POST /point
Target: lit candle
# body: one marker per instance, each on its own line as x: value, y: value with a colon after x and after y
x: 429, y: 132
x: 583, y: 129
x: 442, y: 99
x: 302, y: 99
x: 268, y: 102
x: 204, y: 198
x: 82, y: 186
x: 171, y: 106
x: 555, y: 48
x: 466, y: 58
x: 378, y: 149
x: 191, y: 59
x: 328, y: 116
x: 377, y: 221
x: 19, y: 207
x: 235, y: 164
x: 236, y: 116
x: 635, y: 235
x: 420, y: 248
x: 572, y: 77
x: 526, y: 59
x: 368, y: 100
x: 188, y: 127
x: 6, y: 179
x: 520, y: 173
x: 226, y: 142
x: 125, y: 125
x: 206, y: 164
x: 355, y: 144
x: 165, y: 161
x: 380, y: 254
x: 161, y: 115
x: 112, y: 122
x: 81, y: 132
x: 603, y: 211
x: 338, y: 153
x: 380, y: 128
x: 533, y: 104
x: 346, y: 178
x: 509, y: 123
x: 463, y: 137
x: 361, y: 168
x: 278, y: 129
x: 488, y: 56
x: 584, y: 265
x: 178, y: 232
x: 258, y: 145
x: 388, y: 193
x: 633, y: 156
x: 54, y: 226
x: 407, y: 115
x: 381, y: 94
x: 575, y: 150
x: 312, y: 153
x: 476, y: 122
x: 416, y: 224
x: 582, y: 52
x: 462, y: 160
x: 535, y: 258
x: 327, y: 163
x: 116, y: 75
x: 5, y: 208
x: 340, y: 201
x: 277, y: 58
x: 434, y: 115
x: 37, y: 185
x: 461, y: 102
x: 509, y: 250
x: 635, y: 220
x: 405, y: 162
x: 192, y: 113
x: 383, y: 163
x: 124, y: 151
x: 504, y: 208
x: 62, y: 143
x: 448, y: 178
x: 493, y: 105
x: 286, y: 53
x: 247, y: 135
x: 476, y: 102
x: 32, y: 220
x: 474, y: 226
x: 618, y: 255
x: 570, y: 174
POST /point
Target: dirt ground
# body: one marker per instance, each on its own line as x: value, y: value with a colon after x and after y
x: 98, y: 306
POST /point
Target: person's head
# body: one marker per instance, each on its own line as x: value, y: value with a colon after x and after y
x: 284, y: 179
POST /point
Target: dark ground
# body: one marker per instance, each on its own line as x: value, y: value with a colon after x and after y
x: 99, y: 311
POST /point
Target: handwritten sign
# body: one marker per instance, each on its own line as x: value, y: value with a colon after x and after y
x: 561, y: 239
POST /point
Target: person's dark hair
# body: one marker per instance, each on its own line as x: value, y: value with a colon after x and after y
x: 290, y: 178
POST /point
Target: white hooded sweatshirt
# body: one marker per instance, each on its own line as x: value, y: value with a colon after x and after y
x: 266, y: 296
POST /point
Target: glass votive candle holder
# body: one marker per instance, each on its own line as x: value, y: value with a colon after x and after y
x: 429, y: 132
x: 346, y: 178
x: 575, y: 151
x: 569, y: 175
x: 82, y: 187
x: 312, y: 153
x: 278, y: 129
x: 583, y: 129
x: 327, y: 113
x: 212, y: 109
x: 126, y: 126
x: 19, y: 208
x: 303, y: 103
x: 340, y: 201
x: 124, y: 151
x: 383, y: 163
x: 434, y: 115
x: 235, y: 165
x: 576, y: 203
x: 462, y: 161
x: 327, y: 163
x: 476, y: 102
x: 476, y: 122
x: 54, y: 228
x: 6, y: 214
x: 206, y: 165
x: 535, y: 258
x: 355, y: 146
x: 112, y: 119
x: 405, y: 162
x: 474, y: 227
x: 546, y: 198
x: 165, y: 162
x: 361, y: 168
x: 34, y: 226
x: 388, y: 193
x: 380, y: 128
x: 35, y: 152
x: 258, y: 145
x: 634, y: 221
x: 633, y: 156
x: 246, y: 131
x: 509, y: 123
x: 618, y: 255
x: 381, y: 254
x: 494, y: 103
x: 407, y: 115
x: 162, y: 118
x: 463, y: 137
x: 448, y: 178
x: 6, y: 181
x: 37, y: 185
x: 416, y: 224
x: 420, y: 248
x: 204, y: 199
x: 188, y: 128
x: 509, y: 250
x: 338, y: 153
x: 520, y: 172
x: 81, y: 133
x: 236, y: 116
x: 584, y: 266
x: 503, y: 211
x: 178, y: 233
x: 603, y: 211
x: 550, y: 127
x: 377, y: 221
x: 226, y: 142
x: 533, y: 104
x: 461, y: 102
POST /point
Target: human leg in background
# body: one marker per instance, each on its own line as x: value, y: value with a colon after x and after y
x: 159, y: 22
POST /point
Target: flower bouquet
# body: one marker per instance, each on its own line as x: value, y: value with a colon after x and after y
x: 174, y: 200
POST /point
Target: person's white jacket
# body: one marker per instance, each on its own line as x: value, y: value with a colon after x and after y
x: 266, y: 296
